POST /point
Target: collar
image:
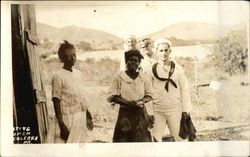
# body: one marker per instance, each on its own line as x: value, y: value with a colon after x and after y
x: 165, y: 67
x: 126, y: 78
x: 162, y: 70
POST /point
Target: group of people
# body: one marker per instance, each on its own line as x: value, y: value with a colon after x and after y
x: 150, y: 88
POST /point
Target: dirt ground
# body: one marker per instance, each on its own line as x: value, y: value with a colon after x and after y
x: 206, y: 131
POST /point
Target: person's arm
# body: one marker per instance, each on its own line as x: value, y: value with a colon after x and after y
x: 147, y: 99
x: 119, y: 100
x: 184, y: 91
x: 114, y: 89
x: 56, y: 96
x: 64, y: 130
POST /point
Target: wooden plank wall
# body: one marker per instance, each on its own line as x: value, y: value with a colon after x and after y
x: 29, y: 41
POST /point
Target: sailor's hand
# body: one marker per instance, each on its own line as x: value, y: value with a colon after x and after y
x: 151, y: 120
x: 90, y: 124
x: 186, y: 115
x: 89, y: 121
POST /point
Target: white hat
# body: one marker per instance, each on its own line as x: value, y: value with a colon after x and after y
x: 162, y: 41
x: 144, y: 42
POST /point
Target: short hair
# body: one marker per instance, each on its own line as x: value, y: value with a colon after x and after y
x: 130, y: 37
x: 63, y: 47
x: 162, y: 41
x: 131, y: 53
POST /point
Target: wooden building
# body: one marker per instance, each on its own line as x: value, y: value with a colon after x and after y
x: 30, y: 110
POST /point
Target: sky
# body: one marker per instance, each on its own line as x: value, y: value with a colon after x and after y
x: 139, y: 17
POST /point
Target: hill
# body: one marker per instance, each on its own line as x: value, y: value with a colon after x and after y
x: 97, y: 39
x: 190, y: 32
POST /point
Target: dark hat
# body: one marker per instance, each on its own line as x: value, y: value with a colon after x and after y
x: 131, y: 53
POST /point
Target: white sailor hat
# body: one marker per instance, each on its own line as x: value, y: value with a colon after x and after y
x: 162, y: 41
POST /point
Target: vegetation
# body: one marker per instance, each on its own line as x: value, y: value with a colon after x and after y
x: 84, y: 46
x: 230, y: 53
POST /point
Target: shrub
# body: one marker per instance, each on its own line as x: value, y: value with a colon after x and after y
x: 230, y: 53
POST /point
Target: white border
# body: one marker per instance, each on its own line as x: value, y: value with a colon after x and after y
x: 231, y: 148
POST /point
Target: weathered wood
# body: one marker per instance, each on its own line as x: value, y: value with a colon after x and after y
x: 23, y: 92
x: 15, y: 121
x: 40, y: 96
x: 28, y: 36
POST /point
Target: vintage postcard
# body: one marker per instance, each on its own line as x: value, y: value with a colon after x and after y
x: 125, y: 78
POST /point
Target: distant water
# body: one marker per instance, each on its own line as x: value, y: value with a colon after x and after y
x: 198, y: 51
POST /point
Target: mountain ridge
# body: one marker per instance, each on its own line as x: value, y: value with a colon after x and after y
x: 188, y: 30
x: 97, y: 38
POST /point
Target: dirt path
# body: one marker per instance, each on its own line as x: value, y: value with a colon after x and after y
x: 206, y: 131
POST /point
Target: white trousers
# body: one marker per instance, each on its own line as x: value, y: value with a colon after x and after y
x: 172, y: 119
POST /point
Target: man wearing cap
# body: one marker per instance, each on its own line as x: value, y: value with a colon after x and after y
x: 146, y: 51
x: 147, y: 62
x: 171, y: 97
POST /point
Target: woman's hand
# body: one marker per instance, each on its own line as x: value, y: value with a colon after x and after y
x: 140, y: 103
x: 64, y: 134
x: 89, y: 121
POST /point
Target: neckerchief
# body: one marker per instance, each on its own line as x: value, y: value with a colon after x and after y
x: 172, y: 68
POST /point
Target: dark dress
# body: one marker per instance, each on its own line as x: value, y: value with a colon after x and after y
x: 131, y: 126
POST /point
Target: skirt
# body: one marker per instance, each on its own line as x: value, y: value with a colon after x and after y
x: 131, y: 126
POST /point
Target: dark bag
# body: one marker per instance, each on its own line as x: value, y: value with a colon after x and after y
x: 187, y: 129
x: 89, y: 121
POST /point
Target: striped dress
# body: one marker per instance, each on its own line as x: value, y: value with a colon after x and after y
x: 67, y: 87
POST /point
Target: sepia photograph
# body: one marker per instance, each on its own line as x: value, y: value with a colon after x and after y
x: 152, y: 75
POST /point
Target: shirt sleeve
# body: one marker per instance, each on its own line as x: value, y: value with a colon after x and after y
x: 148, y: 86
x: 85, y: 101
x: 184, y: 91
x: 115, y: 88
x: 56, y: 87
x: 149, y: 91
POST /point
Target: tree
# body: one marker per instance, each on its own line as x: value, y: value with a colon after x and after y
x: 230, y: 52
x: 47, y: 44
x: 84, y: 45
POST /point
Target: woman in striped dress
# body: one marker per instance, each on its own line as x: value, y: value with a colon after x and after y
x: 70, y: 103
x: 131, y: 89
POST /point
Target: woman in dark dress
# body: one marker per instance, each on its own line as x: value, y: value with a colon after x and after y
x: 131, y: 89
